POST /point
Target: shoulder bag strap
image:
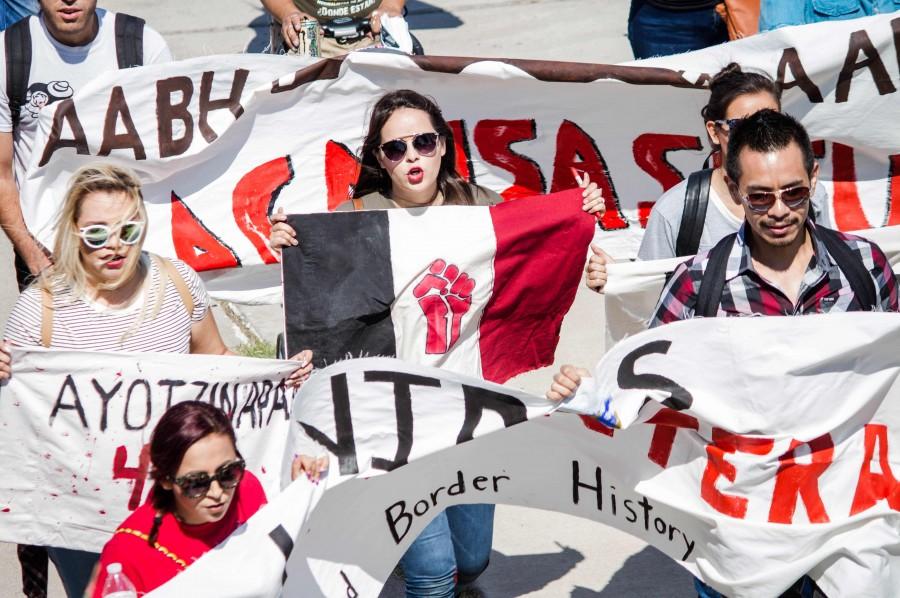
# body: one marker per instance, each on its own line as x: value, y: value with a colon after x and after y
x: 357, y: 204
x: 168, y: 271
x: 129, y: 41
x: 693, y: 217
x: 852, y: 266
x: 17, y: 46
x: 46, y: 318
x: 713, y: 282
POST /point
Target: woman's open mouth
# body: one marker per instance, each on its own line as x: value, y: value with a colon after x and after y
x: 415, y: 175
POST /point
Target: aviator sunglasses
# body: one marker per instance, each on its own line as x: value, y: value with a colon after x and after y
x: 761, y: 201
x: 96, y: 236
x: 727, y: 124
x: 424, y: 143
x: 196, y: 485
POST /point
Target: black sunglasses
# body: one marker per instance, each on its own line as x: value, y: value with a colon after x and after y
x: 196, y: 485
x: 424, y: 143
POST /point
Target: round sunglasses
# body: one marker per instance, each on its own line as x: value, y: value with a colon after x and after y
x: 96, y: 236
x: 762, y: 201
x: 197, y: 485
x: 424, y: 143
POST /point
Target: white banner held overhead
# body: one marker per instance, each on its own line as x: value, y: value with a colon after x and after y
x: 787, y: 472
x: 76, y: 429
x: 221, y: 142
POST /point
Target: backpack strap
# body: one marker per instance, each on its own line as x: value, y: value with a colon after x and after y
x: 167, y: 272
x: 46, y: 318
x: 713, y: 282
x: 129, y: 41
x: 693, y: 217
x: 852, y: 266
x: 17, y: 47
x: 357, y: 204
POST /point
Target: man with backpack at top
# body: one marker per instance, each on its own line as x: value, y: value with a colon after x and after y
x: 779, y: 263
x: 46, y: 59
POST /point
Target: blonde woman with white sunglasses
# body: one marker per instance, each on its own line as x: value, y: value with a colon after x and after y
x: 103, y: 293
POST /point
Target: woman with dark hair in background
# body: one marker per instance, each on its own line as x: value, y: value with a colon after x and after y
x: 734, y: 95
x: 696, y: 213
x: 408, y: 160
x: 201, y: 494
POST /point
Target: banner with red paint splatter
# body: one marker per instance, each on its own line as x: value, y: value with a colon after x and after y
x: 74, y: 446
x: 222, y: 141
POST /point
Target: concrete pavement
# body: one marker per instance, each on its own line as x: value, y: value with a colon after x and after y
x: 536, y: 553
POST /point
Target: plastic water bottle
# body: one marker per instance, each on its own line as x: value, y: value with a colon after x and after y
x: 117, y: 583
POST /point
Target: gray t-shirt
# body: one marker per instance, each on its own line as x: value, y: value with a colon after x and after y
x: 665, y: 220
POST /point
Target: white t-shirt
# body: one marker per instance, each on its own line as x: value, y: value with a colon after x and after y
x: 661, y: 233
x: 58, y: 71
x: 86, y: 326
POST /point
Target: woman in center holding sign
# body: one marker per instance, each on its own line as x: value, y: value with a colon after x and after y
x: 409, y: 161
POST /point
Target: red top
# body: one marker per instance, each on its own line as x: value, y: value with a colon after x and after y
x: 178, y: 544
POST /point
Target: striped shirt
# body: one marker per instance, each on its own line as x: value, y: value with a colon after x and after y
x: 824, y: 289
x: 81, y: 324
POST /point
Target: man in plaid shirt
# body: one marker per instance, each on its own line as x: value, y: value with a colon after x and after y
x: 778, y: 264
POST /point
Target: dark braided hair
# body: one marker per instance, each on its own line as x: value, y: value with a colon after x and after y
x: 178, y: 429
x: 372, y: 177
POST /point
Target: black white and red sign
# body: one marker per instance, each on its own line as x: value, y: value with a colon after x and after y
x: 478, y: 290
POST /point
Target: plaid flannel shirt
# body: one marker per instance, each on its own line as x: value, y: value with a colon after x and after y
x: 824, y: 288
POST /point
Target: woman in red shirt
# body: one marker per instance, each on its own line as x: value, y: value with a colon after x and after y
x: 200, y: 496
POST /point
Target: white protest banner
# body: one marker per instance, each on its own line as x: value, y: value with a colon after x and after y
x: 221, y: 141
x: 775, y: 463
x: 76, y: 427
x: 633, y: 290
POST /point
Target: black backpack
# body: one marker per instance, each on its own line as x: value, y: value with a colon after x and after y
x: 129, y: 52
x: 713, y: 282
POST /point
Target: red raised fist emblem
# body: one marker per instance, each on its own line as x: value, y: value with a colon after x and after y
x: 445, y: 295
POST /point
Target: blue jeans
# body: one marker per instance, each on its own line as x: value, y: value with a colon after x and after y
x: 453, y: 549
x: 74, y: 568
x: 14, y: 10
x: 804, y: 588
x: 779, y: 13
x: 657, y: 32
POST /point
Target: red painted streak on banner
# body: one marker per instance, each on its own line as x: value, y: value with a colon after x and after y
x: 593, y: 424
x: 667, y: 422
x: 254, y: 198
x: 644, y: 209
x: 873, y: 486
x: 795, y: 480
x: 494, y: 138
x: 576, y: 149
x: 541, y: 247
x: 195, y: 244
x: 848, y: 212
x: 893, y: 217
x: 717, y: 466
x: 341, y: 173
x: 137, y: 474
x: 461, y: 148
x: 650, y: 151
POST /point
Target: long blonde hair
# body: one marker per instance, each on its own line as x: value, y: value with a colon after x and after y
x: 68, y: 269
